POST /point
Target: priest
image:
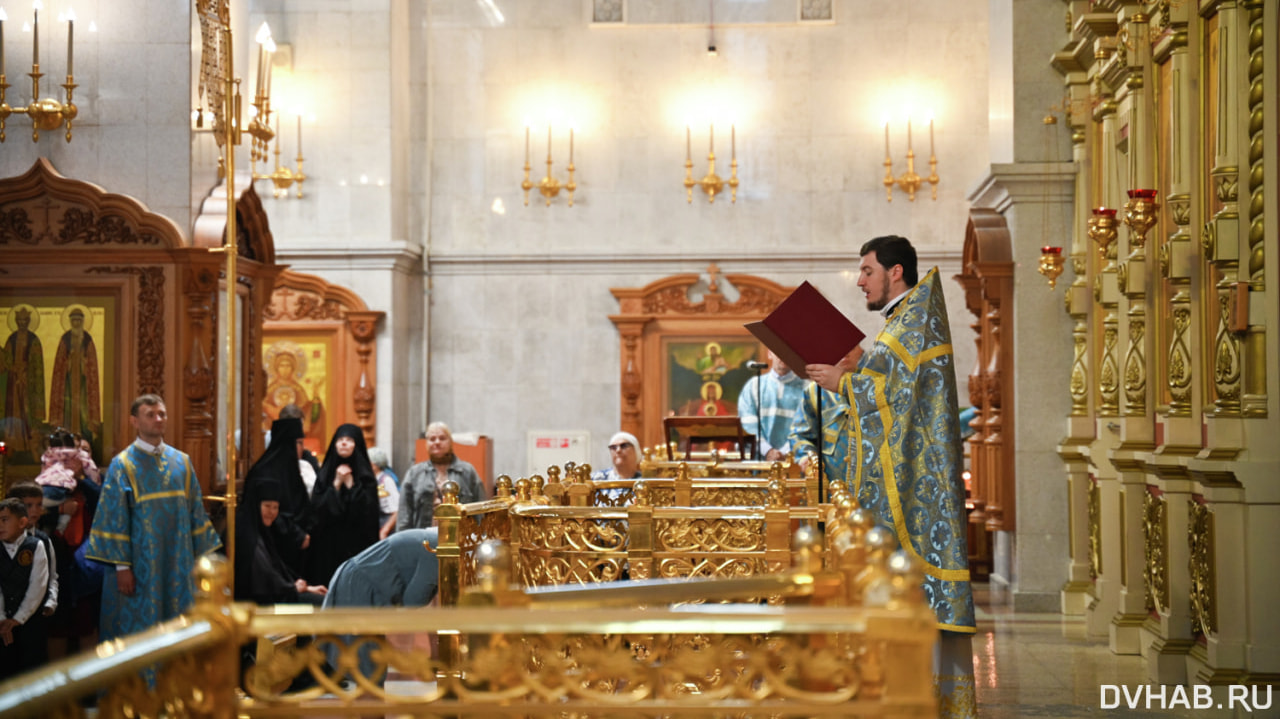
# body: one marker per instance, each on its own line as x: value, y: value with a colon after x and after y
x: 903, y: 452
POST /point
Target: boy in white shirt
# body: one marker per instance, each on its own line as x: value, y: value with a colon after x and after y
x: 24, y: 580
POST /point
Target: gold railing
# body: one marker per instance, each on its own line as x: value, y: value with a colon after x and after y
x: 548, y: 651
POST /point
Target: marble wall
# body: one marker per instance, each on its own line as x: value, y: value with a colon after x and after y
x: 520, y: 337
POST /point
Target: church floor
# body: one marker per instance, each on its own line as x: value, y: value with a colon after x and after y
x: 1044, y: 665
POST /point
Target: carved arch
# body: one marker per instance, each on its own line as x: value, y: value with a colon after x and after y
x: 987, y: 279
x: 305, y: 306
x: 42, y: 208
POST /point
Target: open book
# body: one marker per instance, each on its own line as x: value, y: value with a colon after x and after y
x: 807, y: 329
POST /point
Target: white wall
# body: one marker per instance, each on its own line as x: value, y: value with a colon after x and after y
x: 520, y: 337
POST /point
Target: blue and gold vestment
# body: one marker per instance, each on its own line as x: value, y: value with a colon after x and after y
x: 905, y: 451
x: 150, y: 518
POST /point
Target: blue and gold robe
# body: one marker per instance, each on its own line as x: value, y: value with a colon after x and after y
x: 835, y: 430
x: 150, y: 518
x: 904, y: 442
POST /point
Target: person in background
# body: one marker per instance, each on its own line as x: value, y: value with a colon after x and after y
x: 388, y: 491
x: 24, y: 579
x: 624, y: 456
x: 399, y: 571
x: 63, y: 463
x: 279, y: 464
x: 33, y: 502
x: 151, y: 525
x: 778, y: 393
x: 262, y: 575
x: 344, y: 505
x: 423, y: 484
x: 308, y: 466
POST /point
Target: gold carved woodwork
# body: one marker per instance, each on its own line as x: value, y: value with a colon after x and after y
x: 1226, y: 360
x: 1155, y: 534
x: 70, y: 233
x: 1254, y: 399
x: 1135, y: 365
x: 1095, y: 530
x: 662, y: 311
x: 1204, y: 617
x: 1109, y: 372
x: 307, y: 306
x: 987, y: 279
x: 1180, y: 357
x: 1080, y: 370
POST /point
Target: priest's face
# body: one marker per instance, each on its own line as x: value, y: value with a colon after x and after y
x: 873, y: 280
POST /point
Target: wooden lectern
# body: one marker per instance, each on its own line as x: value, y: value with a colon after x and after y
x: 707, y: 429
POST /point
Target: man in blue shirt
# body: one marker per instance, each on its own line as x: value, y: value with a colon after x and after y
x: 769, y: 417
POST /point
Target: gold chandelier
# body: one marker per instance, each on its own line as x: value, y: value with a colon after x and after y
x: 47, y: 114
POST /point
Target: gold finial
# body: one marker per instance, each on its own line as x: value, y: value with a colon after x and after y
x: 523, y: 486
x: 450, y: 495
x: 503, y: 486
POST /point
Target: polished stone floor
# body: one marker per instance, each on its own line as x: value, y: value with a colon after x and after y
x: 1044, y: 665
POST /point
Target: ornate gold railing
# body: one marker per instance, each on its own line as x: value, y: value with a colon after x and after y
x: 558, y: 651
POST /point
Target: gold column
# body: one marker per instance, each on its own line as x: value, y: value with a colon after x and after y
x: 1254, y: 400
x: 1221, y: 239
x: 1106, y: 288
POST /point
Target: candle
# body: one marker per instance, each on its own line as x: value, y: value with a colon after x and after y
x: 3, y: 17
x: 886, y: 139
x: 931, y: 137
x: 688, y: 145
x: 571, y: 146
x: 712, y: 144
x: 262, y: 66
x: 548, y: 144
x: 35, y: 35
x: 299, y: 134
x: 908, y: 134
x: 733, y: 142
x: 526, y: 144
x: 71, y: 33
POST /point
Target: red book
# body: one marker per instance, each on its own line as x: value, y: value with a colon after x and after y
x: 807, y: 329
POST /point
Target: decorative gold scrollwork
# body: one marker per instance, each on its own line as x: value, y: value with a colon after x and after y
x: 1226, y: 365
x: 1109, y: 373
x: 1135, y: 369
x: 1095, y: 530
x: 1209, y: 239
x: 1204, y: 616
x: 1180, y: 359
x: 1156, y: 543
x: 1080, y: 372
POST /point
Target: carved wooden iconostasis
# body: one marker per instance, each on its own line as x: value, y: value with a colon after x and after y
x: 102, y: 300
x: 681, y: 357
x: 319, y: 354
x: 987, y: 278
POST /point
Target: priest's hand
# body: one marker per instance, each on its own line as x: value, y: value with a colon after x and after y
x: 827, y: 376
x: 125, y: 582
x: 849, y: 362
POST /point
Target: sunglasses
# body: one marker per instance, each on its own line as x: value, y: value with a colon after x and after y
x: 618, y: 447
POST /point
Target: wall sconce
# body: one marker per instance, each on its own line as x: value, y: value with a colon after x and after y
x: 1051, y: 264
x: 548, y: 186
x: 909, y: 181
x: 282, y: 178
x: 1140, y: 216
x: 712, y: 184
x: 47, y: 114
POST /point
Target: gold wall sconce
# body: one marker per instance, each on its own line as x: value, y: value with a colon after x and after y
x: 711, y: 183
x: 1051, y: 264
x: 284, y: 177
x: 47, y: 114
x: 1140, y: 216
x: 909, y: 181
x: 549, y: 186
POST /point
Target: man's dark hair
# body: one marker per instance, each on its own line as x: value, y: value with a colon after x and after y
x: 894, y: 250
x: 290, y: 411
x: 24, y: 490
x: 14, y: 506
x: 150, y: 400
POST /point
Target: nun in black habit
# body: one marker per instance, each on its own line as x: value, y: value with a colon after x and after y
x: 262, y: 576
x: 344, y: 505
x: 279, y: 463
